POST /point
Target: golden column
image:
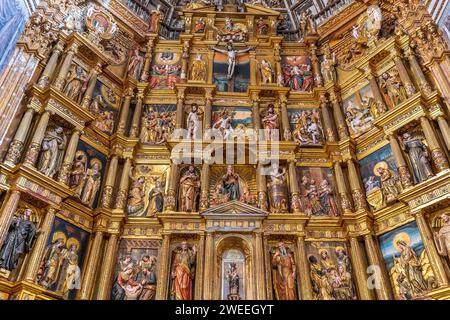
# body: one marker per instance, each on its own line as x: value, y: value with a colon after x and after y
x: 318, y: 81
x: 39, y: 246
x: 148, y: 59
x: 208, y: 107
x: 170, y: 200
x: 403, y: 73
x: 16, y: 147
x: 164, y: 270
x: 134, y: 130
x: 342, y: 188
x: 259, y: 267
x: 121, y: 198
x: 261, y: 183
x: 339, y: 117
x: 402, y: 167
x: 253, y: 67
x: 204, y: 197
x: 124, y: 111
x: 199, y: 268
x: 210, y: 67
x: 359, y: 199
x: 255, y: 111
x: 445, y: 130
x: 35, y: 145
x: 293, y: 186
x: 433, y: 255
x: 209, y: 266
x: 180, y: 108
x: 65, y: 67
x: 418, y: 75
x: 277, y: 58
x: 50, y: 67
x: 109, y: 183
x: 327, y: 119
x: 284, y: 117
x: 373, y: 255
x: 303, y: 270
x: 93, y: 75
x: 184, y: 60
x: 8, y: 210
x: 106, y: 274
x: 91, y: 267
x: 438, y: 157
x: 69, y: 156
x: 359, y: 268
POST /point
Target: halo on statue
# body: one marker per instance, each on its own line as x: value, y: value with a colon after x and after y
x: 59, y: 235
x: 339, y: 248
x: 402, y: 236
x: 94, y: 161
x: 381, y: 164
x: 73, y: 242
x: 322, y: 251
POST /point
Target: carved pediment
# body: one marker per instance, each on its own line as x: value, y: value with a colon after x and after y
x: 234, y: 208
x: 260, y: 10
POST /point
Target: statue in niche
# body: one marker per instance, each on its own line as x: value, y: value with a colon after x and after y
x: 266, y: 70
x: 389, y: 183
x: 393, y: 89
x: 147, y: 277
x: 155, y: 18
x: 442, y: 238
x: 231, y: 53
x: 189, y: 190
x: 262, y: 27
x: 52, y: 151
x: 326, y: 196
x: 225, y: 125
x: 75, y: 80
x: 135, y: 63
x: 79, y: 167
x: 270, y: 124
x: 327, y: 66
x: 51, y: 263
x: 307, y: 25
x: 233, y: 282
x: 314, y: 207
x: 278, y: 190
x: 193, y: 124
x: 135, y: 205
x: 105, y: 121
x: 72, y: 270
x: 92, y: 182
x: 284, y: 273
x: 157, y: 125
x: 231, y: 186
x: 373, y: 23
x: 418, y: 155
x: 231, y: 31
x: 410, y: 279
x: 19, y: 240
x: 135, y: 281
x: 308, y: 128
x: 183, y: 272
x: 199, y: 26
x: 156, y: 199
x: 359, y: 117
x: 198, y: 71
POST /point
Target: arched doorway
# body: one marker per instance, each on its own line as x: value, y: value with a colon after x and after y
x: 234, y: 278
